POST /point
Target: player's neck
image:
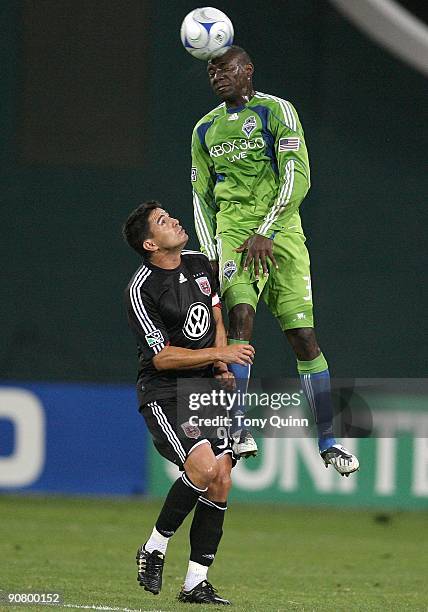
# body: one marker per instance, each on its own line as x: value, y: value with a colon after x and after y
x: 240, y: 100
x: 168, y: 260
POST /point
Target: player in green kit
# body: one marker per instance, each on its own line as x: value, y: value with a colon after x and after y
x: 250, y: 173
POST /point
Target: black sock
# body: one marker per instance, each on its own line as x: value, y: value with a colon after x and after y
x: 206, y: 530
x: 181, y: 500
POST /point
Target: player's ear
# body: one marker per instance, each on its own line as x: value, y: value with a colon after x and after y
x: 250, y: 70
x: 149, y: 245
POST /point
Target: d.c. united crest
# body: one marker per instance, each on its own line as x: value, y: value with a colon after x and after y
x: 191, y: 431
x: 204, y: 285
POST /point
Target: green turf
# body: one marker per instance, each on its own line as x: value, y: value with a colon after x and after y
x: 271, y: 557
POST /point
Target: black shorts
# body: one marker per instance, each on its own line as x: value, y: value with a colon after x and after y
x: 175, y: 441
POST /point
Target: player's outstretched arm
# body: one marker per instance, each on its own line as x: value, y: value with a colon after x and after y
x: 177, y: 358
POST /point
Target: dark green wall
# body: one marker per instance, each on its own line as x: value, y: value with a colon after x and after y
x: 64, y: 265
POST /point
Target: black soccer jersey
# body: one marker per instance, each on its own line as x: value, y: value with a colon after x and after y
x: 170, y: 307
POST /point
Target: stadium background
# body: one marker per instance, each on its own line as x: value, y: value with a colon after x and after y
x: 98, y: 101
x: 98, y: 104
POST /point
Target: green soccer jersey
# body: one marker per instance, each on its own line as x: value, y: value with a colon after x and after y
x: 250, y: 169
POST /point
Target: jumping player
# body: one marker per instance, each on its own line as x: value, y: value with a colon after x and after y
x: 250, y: 173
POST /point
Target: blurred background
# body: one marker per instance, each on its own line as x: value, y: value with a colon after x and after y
x: 98, y: 101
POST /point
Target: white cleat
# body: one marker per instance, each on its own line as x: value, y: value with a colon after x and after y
x: 244, y: 445
x: 341, y: 459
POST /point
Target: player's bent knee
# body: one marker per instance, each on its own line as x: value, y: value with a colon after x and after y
x: 201, y: 466
x: 220, y: 487
x: 202, y: 475
x: 223, y: 479
x: 304, y: 342
x: 305, y: 334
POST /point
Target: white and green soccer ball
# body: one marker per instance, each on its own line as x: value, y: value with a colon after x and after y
x: 206, y: 33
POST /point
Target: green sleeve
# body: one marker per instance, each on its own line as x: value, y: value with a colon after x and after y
x: 293, y: 167
x: 204, y: 207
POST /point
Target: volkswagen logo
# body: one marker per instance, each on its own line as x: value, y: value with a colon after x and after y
x: 197, y: 321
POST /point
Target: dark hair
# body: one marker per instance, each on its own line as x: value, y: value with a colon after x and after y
x: 241, y: 53
x: 136, y: 229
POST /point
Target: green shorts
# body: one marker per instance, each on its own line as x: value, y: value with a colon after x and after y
x: 286, y: 290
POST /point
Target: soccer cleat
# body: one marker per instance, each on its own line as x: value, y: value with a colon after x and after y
x: 341, y: 459
x: 203, y: 593
x: 244, y: 445
x: 150, y: 568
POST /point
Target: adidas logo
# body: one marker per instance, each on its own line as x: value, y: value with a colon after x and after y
x: 208, y: 556
x: 182, y: 278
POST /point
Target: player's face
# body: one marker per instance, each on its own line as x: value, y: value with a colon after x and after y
x: 229, y: 76
x: 166, y: 231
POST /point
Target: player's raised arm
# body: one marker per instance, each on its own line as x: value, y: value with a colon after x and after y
x: 204, y: 207
x: 293, y: 166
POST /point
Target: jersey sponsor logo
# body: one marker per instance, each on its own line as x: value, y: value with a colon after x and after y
x: 229, y: 269
x: 154, y: 338
x: 204, y: 285
x: 190, y: 431
x: 288, y: 144
x: 249, y: 126
x: 236, y: 146
x: 194, y: 175
x: 197, y: 321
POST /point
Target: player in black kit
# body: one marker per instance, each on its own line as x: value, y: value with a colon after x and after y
x: 176, y: 318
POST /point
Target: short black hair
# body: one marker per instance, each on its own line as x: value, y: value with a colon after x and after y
x: 236, y: 52
x: 136, y: 228
x: 240, y: 52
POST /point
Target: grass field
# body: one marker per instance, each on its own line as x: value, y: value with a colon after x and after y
x: 271, y: 557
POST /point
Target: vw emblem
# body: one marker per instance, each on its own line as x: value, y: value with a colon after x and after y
x: 197, y: 321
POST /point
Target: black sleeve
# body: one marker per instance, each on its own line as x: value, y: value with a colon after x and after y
x: 145, y: 322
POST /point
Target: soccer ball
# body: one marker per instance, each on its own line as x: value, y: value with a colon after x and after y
x: 206, y: 33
